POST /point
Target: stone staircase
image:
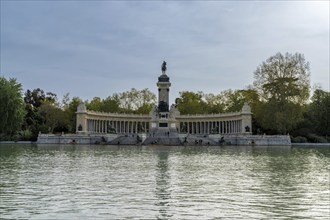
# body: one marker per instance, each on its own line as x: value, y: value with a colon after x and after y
x: 199, y: 140
x: 163, y: 138
x: 125, y: 140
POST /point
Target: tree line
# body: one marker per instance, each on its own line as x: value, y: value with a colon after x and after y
x: 280, y: 101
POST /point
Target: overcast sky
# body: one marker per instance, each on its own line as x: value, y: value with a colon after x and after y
x: 90, y: 48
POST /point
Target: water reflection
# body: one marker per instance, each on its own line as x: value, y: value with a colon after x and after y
x: 130, y: 182
x: 163, y: 182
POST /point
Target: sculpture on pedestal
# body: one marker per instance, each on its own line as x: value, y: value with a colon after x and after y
x: 164, y: 67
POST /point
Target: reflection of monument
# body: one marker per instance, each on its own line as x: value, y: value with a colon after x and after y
x: 163, y: 185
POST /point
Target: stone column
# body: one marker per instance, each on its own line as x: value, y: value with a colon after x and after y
x: 81, y: 118
x: 246, y: 116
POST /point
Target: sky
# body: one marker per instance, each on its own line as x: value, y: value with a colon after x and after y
x: 98, y: 48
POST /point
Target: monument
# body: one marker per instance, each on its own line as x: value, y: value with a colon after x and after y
x: 162, y: 118
x: 164, y: 125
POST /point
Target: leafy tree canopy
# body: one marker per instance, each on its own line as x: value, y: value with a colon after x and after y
x: 284, y: 78
x: 11, y: 106
x: 283, y: 83
x: 319, y: 112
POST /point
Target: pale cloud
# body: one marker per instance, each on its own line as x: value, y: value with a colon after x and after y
x: 99, y: 48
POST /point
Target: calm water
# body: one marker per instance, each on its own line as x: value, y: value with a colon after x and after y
x: 112, y: 182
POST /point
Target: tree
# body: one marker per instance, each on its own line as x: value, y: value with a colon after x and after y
x: 53, y: 118
x: 215, y: 103
x: 136, y: 101
x: 191, y: 103
x: 11, y: 106
x: 95, y: 104
x: 70, y: 114
x: 34, y: 120
x: 110, y: 104
x: 283, y: 83
x: 35, y: 97
x: 319, y: 110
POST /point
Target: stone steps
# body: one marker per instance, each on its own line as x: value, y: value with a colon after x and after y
x: 167, y: 141
x: 124, y: 140
x: 199, y: 140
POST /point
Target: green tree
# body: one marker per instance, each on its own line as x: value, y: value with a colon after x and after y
x: 136, y: 101
x: 11, y: 106
x: 53, y: 118
x: 215, y: 103
x: 70, y: 113
x: 191, y: 103
x: 37, y: 96
x: 283, y: 83
x: 319, y: 110
x: 41, y: 109
x: 95, y: 104
x: 110, y: 104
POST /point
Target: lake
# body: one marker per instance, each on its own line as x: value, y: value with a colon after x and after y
x: 141, y: 182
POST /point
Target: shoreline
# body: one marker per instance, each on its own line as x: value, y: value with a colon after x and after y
x: 310, y: 144
x: 296, y: 145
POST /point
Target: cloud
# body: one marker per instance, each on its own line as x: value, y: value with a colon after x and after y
x: 112, y: 46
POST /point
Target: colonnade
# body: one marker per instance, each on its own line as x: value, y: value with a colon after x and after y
x: 116, y: 126
x: 190, y: 127
x: 211, y: 127
x: 100, y: 123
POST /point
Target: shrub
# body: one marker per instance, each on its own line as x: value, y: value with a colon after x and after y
x: 25, y: 135
x: 299, y: 139
x: 313, y: 138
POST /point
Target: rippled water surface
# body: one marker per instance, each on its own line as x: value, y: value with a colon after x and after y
x: 112, y: 182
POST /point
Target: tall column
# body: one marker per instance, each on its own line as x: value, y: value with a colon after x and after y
x: 224, y: 127
x: 102, y: 123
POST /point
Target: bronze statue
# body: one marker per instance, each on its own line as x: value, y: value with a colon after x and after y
x: 164, y: 67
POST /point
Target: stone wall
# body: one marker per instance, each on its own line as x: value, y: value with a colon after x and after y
x: 74, y: 138
x: 258, y: 140
x: 239, y: 139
